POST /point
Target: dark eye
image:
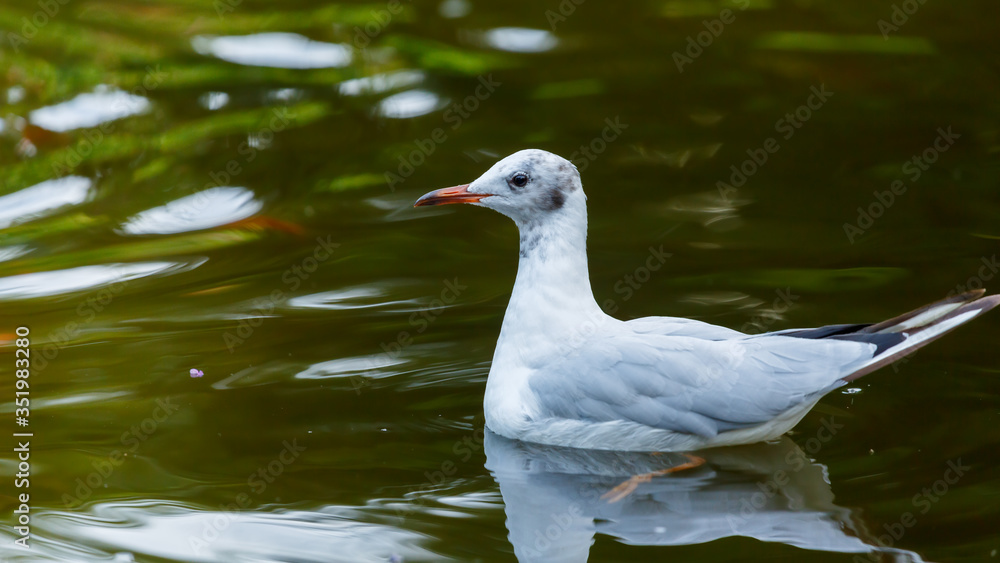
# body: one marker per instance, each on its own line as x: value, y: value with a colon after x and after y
x: 520, y: 179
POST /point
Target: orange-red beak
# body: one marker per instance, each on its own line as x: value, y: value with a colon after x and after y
x: 455, y: 194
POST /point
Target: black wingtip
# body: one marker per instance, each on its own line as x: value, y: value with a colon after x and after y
x: 978, y: 306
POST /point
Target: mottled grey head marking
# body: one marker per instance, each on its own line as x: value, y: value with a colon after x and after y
x: 529, y: 241
x: 566, y: 167
x: 556, y: 199
x: 529, y: 185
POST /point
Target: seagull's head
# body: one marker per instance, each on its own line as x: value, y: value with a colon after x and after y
x: 530, y: 186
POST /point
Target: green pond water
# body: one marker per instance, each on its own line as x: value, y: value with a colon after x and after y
x: 227, y: 187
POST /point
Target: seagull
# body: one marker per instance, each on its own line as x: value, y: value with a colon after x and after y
x: 564, y: 373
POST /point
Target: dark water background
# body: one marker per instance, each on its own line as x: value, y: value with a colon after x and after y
x: 181, y: 192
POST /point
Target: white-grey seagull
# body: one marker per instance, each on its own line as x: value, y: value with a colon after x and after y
x: 565, y: 373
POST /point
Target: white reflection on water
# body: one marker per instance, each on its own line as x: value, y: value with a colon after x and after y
x: 77, y: 399
x: 520, y: 39
x: 12, y: 252
x: 712, y: 209
x: 284, y: 95
x: 206, y: 209
x: 15, y: 94
x: 361, y: 297
x: 771, y: 491
x: 279, y: 50
x: 57, y: 282
x: 380, y: 82
x: 348, y: 367
x: 89, y: 110
x: 370, y: 367
x: 213, y: 100
x: 412, y: 103
x: 368, y: 297
x: 452, y: 9
x: 182, y: 532
x: 42, y: 199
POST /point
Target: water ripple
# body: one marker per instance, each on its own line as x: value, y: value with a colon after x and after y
x: 89, y: 110
x: 520, y: 39
x: 278, y: 50
x: 42, y: 199
x: 178, y: 531
x: 412, y: 103
x: 348, y: 367
x: 354, y: 298
x: 11, y: 252
x: 206, y: 209
x: 38, y: 284
x: 381, y: 82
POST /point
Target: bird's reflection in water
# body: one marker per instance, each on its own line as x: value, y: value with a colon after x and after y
x: 556, y: 499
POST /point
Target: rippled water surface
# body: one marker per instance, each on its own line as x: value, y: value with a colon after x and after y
x: 248, y: 346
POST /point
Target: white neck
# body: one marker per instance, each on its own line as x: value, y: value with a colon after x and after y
x: 552, y: 305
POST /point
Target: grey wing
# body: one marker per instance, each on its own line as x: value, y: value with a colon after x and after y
x: 675, y: 326
x: 693, y: 385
